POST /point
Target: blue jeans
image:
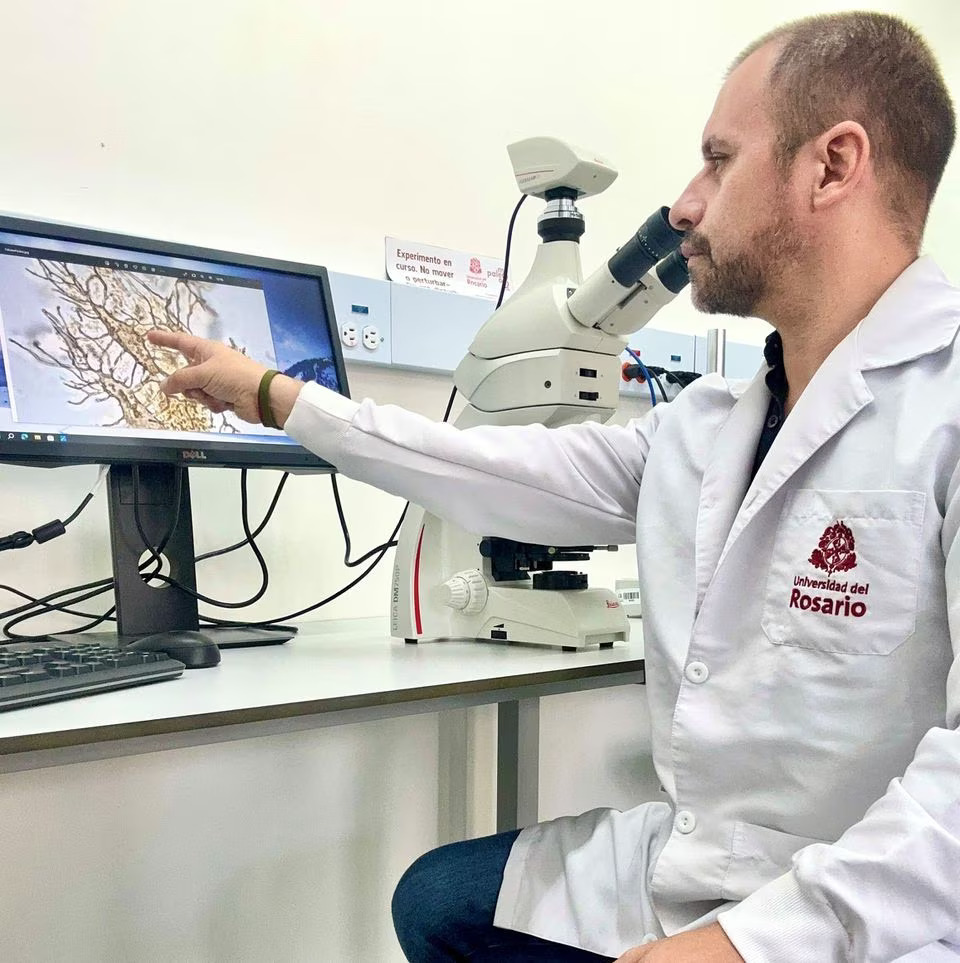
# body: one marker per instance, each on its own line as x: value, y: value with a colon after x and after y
x: 443, y: 910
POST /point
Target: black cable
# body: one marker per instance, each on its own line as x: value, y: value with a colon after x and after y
x: 506, y: 253
x: 391, y: 542
x: 346, y: 534
x: 92, y: 624
x: 450, y: 400
x: 682, y: 378
x: 106, y: 584
x: 44, y: 604
x: 655, y: 371
x: 249, y: 540
x: 43, y: 533
x: 46, y: 607
x: 659, y: 384
x: 257, y: 530
x: 25, y: 612
x: 79, y: 508
x: 335, y: 595
x: 147, y: 544
x: 101, y: 586
x: 503, y: 286
x: 39, y: 606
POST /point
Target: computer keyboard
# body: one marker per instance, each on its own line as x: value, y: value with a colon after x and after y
x: 32, y: 673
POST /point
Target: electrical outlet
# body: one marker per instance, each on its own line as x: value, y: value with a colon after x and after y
x: 371, y: 336
x: 349, y: 335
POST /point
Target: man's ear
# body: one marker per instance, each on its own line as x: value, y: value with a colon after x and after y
x: 841, y: 158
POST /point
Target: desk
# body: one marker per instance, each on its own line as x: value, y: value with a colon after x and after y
x: 333, y: 673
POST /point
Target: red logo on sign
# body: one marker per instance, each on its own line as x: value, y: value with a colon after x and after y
x: 835, y: 552
x: 475, y: 267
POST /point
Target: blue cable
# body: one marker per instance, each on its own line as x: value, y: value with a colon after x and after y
x: 646, y: 374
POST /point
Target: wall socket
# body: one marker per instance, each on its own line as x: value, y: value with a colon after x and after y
x: 371, y: 337
x: 349, y: 334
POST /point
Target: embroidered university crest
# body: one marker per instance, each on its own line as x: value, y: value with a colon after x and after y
x: 835, y: 553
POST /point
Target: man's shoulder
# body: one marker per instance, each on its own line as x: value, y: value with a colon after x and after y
x: 711, y: 390
x: 703, y: 402
x: 917, y: 316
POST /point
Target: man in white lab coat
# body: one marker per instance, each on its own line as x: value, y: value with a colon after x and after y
x: 802, y: 631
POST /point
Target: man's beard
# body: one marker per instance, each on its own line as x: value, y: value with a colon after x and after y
x: 739, y: 283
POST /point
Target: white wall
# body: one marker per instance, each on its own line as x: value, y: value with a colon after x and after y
x: 309, y: 129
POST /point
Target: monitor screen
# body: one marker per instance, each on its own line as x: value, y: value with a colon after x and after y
x: 80, y: 383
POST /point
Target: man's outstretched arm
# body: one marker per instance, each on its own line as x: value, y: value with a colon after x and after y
x: 573, y: 485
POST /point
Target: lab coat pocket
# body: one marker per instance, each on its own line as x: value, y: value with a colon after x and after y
x: 844, y: 572
x: 759, y: 855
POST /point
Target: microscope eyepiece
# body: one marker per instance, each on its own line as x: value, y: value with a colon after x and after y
x: 653, y: 242
x: 624, y: 293
x: 673, y: 273
x: 659, y: 235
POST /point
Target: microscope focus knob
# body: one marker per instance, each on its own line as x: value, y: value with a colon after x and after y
x: 466, y: 591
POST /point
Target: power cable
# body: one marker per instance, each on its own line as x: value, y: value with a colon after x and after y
x: 503, y: 286
x: 52, y: 529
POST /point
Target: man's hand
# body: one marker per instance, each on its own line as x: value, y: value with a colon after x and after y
x: 706, y: 945
x: 223, y: 379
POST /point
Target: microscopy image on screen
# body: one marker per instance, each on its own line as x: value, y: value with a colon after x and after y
x: 76, y: 349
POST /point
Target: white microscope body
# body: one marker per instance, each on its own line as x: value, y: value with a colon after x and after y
x: 550, y: 355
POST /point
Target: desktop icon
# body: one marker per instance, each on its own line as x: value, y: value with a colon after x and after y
x: 38, y: 437
x: 50, y: 438
x: 24, y: 437
x: 10, y: 436
x: 63, y: 437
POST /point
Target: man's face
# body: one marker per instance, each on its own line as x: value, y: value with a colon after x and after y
x: 739, y: 211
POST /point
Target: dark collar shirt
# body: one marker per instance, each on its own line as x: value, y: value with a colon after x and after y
x: 776, y: 411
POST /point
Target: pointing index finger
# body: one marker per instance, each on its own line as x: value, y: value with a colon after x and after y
x: 185, y: 380
x: 180, y: 341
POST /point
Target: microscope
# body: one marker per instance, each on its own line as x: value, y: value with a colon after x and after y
x: 549, y: 355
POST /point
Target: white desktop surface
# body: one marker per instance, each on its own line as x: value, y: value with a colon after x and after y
x: 236, y: 813
x: 345, y: 668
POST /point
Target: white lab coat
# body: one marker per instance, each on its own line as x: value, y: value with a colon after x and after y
x: 804, y: 708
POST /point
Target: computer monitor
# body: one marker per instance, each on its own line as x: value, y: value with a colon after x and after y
x: 79, y: 381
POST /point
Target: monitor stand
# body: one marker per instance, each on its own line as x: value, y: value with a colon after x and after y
x: 225, y: 636
x: 149, y: 608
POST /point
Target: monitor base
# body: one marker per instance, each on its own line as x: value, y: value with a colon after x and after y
x: 225, y: 636
x: 244, y: 636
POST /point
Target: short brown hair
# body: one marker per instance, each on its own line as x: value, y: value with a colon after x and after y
x: 875, y: 69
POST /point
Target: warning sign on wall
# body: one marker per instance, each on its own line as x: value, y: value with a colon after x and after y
x: 441, y: 269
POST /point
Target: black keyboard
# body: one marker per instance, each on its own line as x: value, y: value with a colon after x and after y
x: 32, y: 673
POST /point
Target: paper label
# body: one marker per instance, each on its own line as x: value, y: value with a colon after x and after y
x: 441, y: 269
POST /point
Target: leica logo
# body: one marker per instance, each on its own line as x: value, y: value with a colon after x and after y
x: 191, y: 454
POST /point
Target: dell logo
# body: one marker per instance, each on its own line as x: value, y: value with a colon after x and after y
x: 191, y: 454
